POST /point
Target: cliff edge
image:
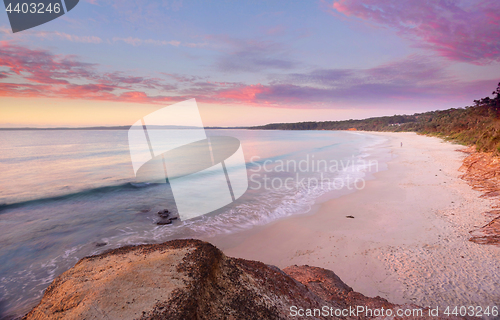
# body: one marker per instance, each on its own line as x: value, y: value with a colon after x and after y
x: 482, y: 172
x: 192, y: 279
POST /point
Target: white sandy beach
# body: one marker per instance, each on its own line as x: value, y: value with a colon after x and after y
x: 408, y: 241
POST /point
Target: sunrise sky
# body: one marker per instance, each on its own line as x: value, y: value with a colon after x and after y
x: 110, y: 62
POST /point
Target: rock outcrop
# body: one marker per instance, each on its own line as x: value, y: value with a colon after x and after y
x: 482, y: 172
x: 191, y: 279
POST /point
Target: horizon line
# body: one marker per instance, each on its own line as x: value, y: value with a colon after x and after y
x: 116, y: 128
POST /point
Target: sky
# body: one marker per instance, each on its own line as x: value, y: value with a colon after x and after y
x: 111, y: 62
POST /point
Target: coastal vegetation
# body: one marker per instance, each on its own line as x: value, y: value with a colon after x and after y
x: 477, y: 125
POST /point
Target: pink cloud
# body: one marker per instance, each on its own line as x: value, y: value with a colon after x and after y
x: 458, y: 30
x: 141, y: 97
x: 243, y: 94
x: 277, y: 30
x: 41, y: 66
x: 23, y: 90
x: 44, y: 74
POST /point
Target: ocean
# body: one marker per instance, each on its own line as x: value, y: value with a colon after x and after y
x: 67, y: 194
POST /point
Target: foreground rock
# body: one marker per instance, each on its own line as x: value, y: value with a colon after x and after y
x: 482, y: 172
x: 191, y: 279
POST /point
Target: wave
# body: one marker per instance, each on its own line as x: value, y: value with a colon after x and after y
x: 75, y: 195
x: 290, y: 155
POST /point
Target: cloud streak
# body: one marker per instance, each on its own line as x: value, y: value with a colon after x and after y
x: 251, y: 55
x: 26, y: 72
x: 465, y: 31
x: 50, y: 35
x: 69, y: 37
x: 138, y: 42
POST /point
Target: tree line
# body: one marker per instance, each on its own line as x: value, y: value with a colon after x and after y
x: 477, y: 125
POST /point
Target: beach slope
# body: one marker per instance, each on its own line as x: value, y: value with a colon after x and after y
x: 404, y: 237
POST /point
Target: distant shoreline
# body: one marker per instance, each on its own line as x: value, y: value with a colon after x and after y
x: 110, y: 128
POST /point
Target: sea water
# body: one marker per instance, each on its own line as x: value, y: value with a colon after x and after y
x: 67, y: 194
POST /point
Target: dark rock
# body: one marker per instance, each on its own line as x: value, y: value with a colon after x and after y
x: 164, y: 222
x: 164, y: 213
x: 350, y: 217
x: 101, y: 244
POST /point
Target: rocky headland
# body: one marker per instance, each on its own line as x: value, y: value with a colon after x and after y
x: 192, y: 279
